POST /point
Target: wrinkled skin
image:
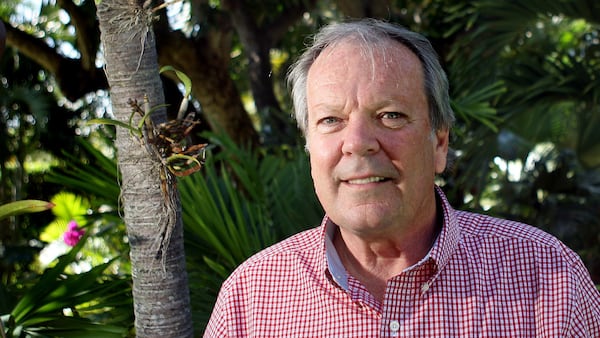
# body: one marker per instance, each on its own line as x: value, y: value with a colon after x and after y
x: 373, y: 153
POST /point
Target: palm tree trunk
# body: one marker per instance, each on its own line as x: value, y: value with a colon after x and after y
x: 150, y: 203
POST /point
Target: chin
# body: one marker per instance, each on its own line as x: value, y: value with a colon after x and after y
x: 362, y: 222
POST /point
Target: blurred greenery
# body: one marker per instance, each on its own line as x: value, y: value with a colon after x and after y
x: 60, y: 304
x: 524, y: 86
x: 241, y: 202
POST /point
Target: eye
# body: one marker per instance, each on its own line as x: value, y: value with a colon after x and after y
x: 329, y: 124
x: 329, y: 120
x: 391, y: 115
x: 393, y: 119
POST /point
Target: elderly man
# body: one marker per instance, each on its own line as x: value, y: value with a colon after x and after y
x: 391, y: 257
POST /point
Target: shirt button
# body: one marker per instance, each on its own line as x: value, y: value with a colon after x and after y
x: 394, y: 325
x: 424, y: 287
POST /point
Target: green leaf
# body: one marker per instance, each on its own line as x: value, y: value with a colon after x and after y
x: 117, y: 123
x: 40, y: 310
x: 24, y: 206
x: 69, y: 206
x: 148, y: 114
x: 187, y: 82
x: 100, y: 179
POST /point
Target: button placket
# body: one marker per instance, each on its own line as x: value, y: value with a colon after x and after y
x: 403, y: 295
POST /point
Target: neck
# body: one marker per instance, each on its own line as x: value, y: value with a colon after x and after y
x: 373, y: 261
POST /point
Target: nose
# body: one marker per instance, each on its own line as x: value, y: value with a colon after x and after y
x: 360, y: 137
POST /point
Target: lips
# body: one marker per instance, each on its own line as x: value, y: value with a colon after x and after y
x: 367, y: 180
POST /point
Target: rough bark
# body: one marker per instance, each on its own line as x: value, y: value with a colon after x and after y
x: 205, y: 59
x: 160, y: 286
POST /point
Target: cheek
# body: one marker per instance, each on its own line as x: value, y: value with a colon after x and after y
x: 321, y: 150
x: 319, y: 173
x: 323, y: 159
x: 411, y: 155
x: 319, y: 163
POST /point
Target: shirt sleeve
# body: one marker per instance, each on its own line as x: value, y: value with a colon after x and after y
x: 585, y: 318
x: 217, y: 324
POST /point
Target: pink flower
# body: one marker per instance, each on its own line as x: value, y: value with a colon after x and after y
x: 73, y: 234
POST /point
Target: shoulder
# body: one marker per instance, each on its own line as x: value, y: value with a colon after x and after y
x: 482, y: 230
x: 480, y: 225
x: 303, y: 243
x: 528, y: 254
x: 300, y: 251
x: 519, y: 261
x: 262, y: 287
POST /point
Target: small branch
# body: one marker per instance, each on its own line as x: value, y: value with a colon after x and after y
x: 279, y: 27
x: 73, y: 78
x: 2, y: 37
x: 34, y: 48
x: 3, y: 335
x: 83, y: 18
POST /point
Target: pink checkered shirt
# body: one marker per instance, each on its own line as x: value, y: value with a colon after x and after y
x: 483, y: 277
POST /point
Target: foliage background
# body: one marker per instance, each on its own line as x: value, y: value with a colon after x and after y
x: 524, y: 84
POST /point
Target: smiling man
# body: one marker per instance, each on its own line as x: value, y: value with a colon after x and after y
x: 374, y: 156
x: 391, y: 257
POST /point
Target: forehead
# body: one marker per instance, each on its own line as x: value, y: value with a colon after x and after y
x: 355, y: 64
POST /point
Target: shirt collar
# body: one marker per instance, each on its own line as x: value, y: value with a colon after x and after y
x: 449, y: 237
x: 441, y: 251
x: 334, y: 263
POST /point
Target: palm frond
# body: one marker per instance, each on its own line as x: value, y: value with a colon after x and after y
x: 40, y: 309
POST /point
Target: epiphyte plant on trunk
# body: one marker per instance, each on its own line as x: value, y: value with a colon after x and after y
x: 167, y: 143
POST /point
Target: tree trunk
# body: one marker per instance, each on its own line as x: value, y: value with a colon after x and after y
x: 150, y: 203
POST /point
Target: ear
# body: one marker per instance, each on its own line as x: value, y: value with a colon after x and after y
x: 440, y: 149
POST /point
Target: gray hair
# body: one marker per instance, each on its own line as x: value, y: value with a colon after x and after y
x: 374, y: 33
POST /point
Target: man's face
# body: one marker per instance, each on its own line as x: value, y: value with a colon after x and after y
x: 372, y: 151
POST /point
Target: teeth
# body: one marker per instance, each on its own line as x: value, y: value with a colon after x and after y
x: 367, y: 180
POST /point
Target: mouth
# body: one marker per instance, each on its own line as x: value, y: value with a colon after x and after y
x: 367, y: 180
